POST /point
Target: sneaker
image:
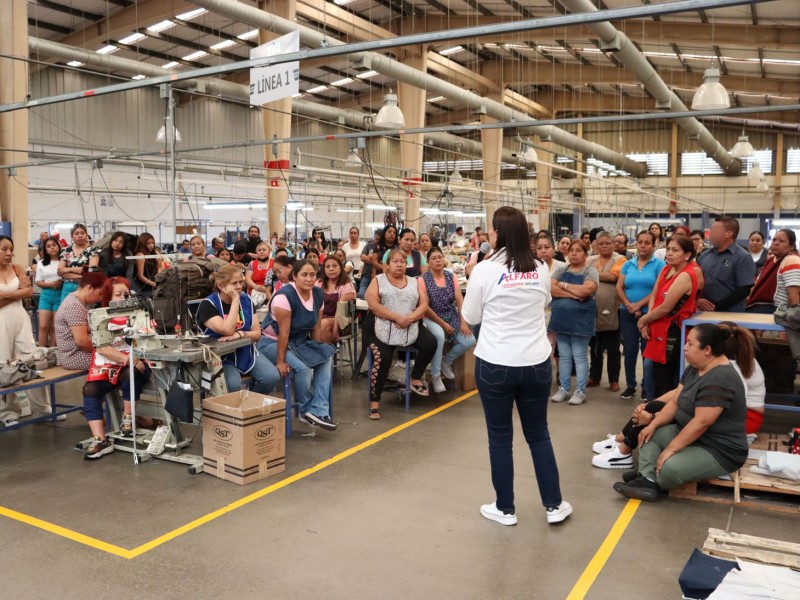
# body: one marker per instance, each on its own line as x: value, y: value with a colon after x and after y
x: 98, y: 448
x: 613, y: 459
x: 560, y: 395
x: 639, y: 489
x: 578, y: 397
x: 629, y: 393
x: 629, y: 476
x: 559, y: 513
x: 304, y: 419
x: 325, y: 422
x: 438, y: 384
x: 9, y: 423
x: 605, y: 445
x: 447, y: 370
x: 126, y: 427
x: 491, y: 512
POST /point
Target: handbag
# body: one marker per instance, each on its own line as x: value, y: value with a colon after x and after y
x: 258, y: 298
x: 13, y: 372
x: 390, y: 334
x: 788, y: 316
x: 180, y: 400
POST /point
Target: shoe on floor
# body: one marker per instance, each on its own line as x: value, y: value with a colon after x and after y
x: 420, y: 389
x: 578, y: 397
x: 629, y: 393
x: 98, y: 448
x: 9, y: 423
x: 629, y: 476
x: 592, y: 383
x: 559, y: 513
x: 57, y: 418
x: 614, y: 387
x: 325, y: 422
x: 605, y: 445
x: 613, y: 459
x: 491, y: 512
x: 447, y: 370
x: 126, y: 427
x: 438, y: 384
x: 560, y: 395
x: 639, y: 489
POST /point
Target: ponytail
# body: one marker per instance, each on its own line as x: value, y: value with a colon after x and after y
x: 740, y: 345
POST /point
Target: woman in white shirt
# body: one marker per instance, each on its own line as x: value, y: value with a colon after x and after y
x: 50, y: 282
x: 507, y: 295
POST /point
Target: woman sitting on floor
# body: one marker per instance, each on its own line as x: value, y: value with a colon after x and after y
x: 336, y: 287
x: 110, y: 369
x: 700, y: 431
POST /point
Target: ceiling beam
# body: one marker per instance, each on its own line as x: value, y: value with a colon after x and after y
x: 343, y: 21
x: 67, y: 10
x: 48, y: 26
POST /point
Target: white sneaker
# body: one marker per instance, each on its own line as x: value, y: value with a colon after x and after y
x: 491, y: 512
x: 578, y: 397
x: 438, y: 384
x: 447, y: 370
x: 9, y: 423
x: 560, y: 395
x: 613, y: 459
x: 605, y: 445
x: 559, y: 513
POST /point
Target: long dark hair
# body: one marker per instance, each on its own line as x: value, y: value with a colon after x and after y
x: 511, y: 227
x: 43, y: 246
x: 108, y: 253
x: 341, y: 280
x: 322, y: 241
x: 382, y: 240
x: 150, y: 264
x: 741, y: 347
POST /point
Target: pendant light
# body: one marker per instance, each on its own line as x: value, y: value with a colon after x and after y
x: 743, y: 148
x: 353, y: 160
x: 756, y: 174
x: 712, y: 95
x: 390, y: 116
x: 165, y: 132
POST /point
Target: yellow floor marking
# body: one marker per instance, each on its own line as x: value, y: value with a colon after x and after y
x: 603, y: 553
x: 138, y: 551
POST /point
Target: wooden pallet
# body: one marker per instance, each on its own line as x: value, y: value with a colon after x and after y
x: 731, y: 545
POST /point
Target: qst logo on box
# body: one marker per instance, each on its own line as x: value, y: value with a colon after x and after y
x: 223, y: 434
x: 264, y: 433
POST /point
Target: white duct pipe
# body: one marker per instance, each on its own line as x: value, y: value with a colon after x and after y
x: 392, y: 68
x: 630, y: 56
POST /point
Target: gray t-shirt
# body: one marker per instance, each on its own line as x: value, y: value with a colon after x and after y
x: 368, y: 249
x: 589, y: 273
x: 721, y: 386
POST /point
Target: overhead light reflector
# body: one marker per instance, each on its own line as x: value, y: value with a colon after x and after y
x: 192, y: 14
x: 367, y: 74
x: 132, y: 38
x: 74, y: 63
x: 161, y: 26
x: 195, y: 55
x: 222, y: 45
x: 248, y: 34
x: 107, y: 50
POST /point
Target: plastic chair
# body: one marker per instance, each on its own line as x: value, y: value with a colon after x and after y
x: 346, y: 312
x: 294, y: 407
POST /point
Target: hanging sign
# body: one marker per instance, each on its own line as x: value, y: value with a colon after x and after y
x: 274, y: 82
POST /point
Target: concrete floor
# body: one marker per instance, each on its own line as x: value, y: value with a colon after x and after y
x: 398, y: 519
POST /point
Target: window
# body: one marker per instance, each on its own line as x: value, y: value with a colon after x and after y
x: 698, y: 163
x: 657, y: 164
x: 793, y: 160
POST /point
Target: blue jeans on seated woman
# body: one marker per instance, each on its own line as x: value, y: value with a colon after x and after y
x: 461, y: 343
x: 501, y: 387
x: 264, y: 373
x: 312, y: 385
x: 573, y: 349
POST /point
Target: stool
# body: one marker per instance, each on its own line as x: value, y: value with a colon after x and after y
x: 409, y: 350
x: 294, y: 407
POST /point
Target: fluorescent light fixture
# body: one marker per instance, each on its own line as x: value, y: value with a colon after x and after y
x: 188, y: 16
x: 248, y: 34
x: 344, y: 81
x: 138, y: 77
x: 170, y: 65
x: 298, y: 206
x: 431, y: 211
x: 298, y: 95
x: 132, y: 224
x: 777, y: 223
x: 224, y: 44
x: 195, y: 55
x: 349, y: 210
x: 343, y: 2
x: 435, y: 99
x: 63, y: 225
x: 161, y: 26
x: 453, y: 50
x: 74, y: 63
x: 107, y: 50
x: 230, y: 205
x: 381, y: 207
x: 375, y: 225
x: 316, y: 90
x: 132, y: 38
x: 367, y: 74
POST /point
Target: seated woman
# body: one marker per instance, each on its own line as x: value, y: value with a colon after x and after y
x: 292, y: 340
x: 224, y: 254
x: 336, y: 287
x: 443, y: 318
x: 197, y: 249
x: 74, y: 345
x: 110, y: 369
x: 256, y: 274
x: 615, y: 451
x: 398, y: 302
x: 50, y: 282
x: 228, y: 314
x: 700, y: 432
x: 16, y: 333
x: 112, y: 258
x: 347, y: 266
x: 279, y: 275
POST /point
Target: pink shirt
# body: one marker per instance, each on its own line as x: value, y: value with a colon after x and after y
x: 281, y: 301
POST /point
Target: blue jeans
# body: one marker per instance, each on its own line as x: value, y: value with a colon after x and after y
x: 573, y: 349
x: 312, y: 385
x: 501, y: 387
x: 362, y: 287
x: 461, y: 343
x: 264, y: 373
x: 633, y: 344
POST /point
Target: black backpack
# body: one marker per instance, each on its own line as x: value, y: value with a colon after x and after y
x: 176, y: 286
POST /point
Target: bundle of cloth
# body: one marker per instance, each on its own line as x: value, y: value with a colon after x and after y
x: 778, y: 464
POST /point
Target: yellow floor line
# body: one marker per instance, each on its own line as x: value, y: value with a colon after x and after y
x: 138, y: 551
x: 592, y: 570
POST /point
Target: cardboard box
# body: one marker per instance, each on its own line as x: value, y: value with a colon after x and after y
x: 244, y: 436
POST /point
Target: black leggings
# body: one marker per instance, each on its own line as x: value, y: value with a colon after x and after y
x: 630, y: 432
x: 382, y: 359
x: 95, y: 391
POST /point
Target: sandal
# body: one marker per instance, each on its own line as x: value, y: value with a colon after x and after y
x: 375, y: 413
x: 419, y: 389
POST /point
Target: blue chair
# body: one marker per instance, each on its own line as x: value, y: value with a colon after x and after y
x: 294, y: 407
x: 409, y: 350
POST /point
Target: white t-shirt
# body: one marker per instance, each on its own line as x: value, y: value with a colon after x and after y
x: 755, y: 388
x: 47, y: 272
x: 510, y: 308
x: 354, y: 254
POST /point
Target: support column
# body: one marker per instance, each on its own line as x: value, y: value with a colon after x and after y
x: 777, y: 199
x: 580, y: 205
x: 277, y: 118
x: 544, y: 179
x: 14, y: 125
x: 411, y: 100
x: 492, y: 141
x: 673, y: 169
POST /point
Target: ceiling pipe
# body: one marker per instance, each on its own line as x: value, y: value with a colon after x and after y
x: 401, y: 72
x: 616, y: 42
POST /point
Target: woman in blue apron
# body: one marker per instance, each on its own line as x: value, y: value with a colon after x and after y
x: 228, y: 314
x: 291, y: 341
x: 572, y: 319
